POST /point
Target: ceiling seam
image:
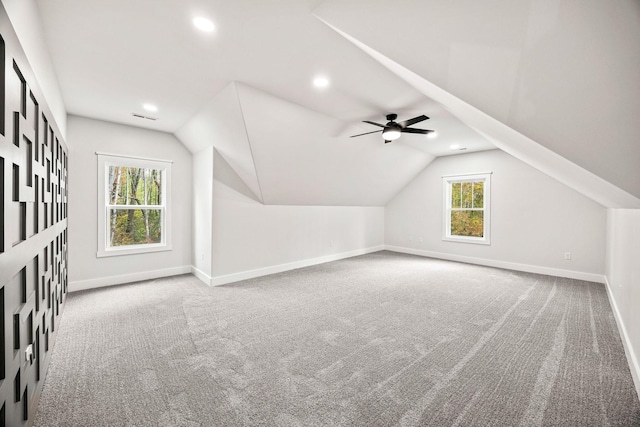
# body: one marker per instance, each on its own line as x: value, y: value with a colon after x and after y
x: 246, y: 132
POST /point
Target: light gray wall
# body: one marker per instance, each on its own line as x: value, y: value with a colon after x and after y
x: 235, y: 236
x: 534, y: 219
x: 249, y: 236
x: 202, y: 211
x: 89, y: 136
x: 623, y: 277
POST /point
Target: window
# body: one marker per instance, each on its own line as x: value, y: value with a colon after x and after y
x: 133, y: 205
x: 467, y: 208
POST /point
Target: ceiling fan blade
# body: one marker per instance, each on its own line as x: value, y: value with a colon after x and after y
x: 373, y: 123
x: 366, y: 133
x: 412, y: 130
x: 415, y: 120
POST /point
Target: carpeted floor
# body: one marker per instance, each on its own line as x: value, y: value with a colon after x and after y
x: 378, y: 340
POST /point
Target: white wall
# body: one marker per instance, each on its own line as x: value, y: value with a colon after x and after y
x: 202, y: 211
x: 623, y: 279
x: 26, y: 22
x: 251, y: 239
x: 534, y: 219
x: 89, y: 136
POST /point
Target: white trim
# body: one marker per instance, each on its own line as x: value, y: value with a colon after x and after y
x: 558, y: 272
x: 105, y: 160
x: 204, y: 277
x: 133, y: 250
x: 99, y: 282
x: 634, y: 366
x: 447, y: 183
x: 125, y: 156
x: 251, y: 274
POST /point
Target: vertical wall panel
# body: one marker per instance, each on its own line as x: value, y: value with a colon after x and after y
x: 33, y: 242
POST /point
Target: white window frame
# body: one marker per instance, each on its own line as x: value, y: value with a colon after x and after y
x: 447, y: 180
x: 104, y: 162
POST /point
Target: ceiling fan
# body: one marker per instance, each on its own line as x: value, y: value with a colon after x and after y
x: 392, y: 130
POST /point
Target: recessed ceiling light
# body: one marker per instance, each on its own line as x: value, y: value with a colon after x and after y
x: 432, y: 135
x: 203, y: 24
x: 150, y: 107
x: 321, y: 82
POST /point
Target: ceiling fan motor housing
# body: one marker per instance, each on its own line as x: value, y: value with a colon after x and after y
x: 392, y: 130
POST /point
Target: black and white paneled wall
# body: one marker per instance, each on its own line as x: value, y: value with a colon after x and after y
x: 33, y: 232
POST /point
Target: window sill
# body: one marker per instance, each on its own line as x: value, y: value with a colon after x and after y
x: 474, y: 240
x: 133, y: 250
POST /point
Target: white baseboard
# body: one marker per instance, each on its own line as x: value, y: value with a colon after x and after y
x: 251, y: 274
x: 589, y: 277
x: 634, y: 367
x: 100, y: 282
x: 201, y: 275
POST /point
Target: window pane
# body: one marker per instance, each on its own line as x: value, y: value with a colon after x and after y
x: 455, y: 195
x: 134, y: 226
x: 134, y: 186
x: 478, y: 194
x: 115, y: 184
x: 467, y: 223
x: 151, y: 187
x: 466, y: 194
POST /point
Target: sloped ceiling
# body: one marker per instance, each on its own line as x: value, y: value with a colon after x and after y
x: 299, y: 162
x: 564, y: 74
x: 552, y: 82
x: 220, y: 123
x: 246, y: 89
x: 513, y: 142
x: 290, y: 155
x: 226, y: 174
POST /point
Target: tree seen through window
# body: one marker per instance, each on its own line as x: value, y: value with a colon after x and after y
x: 135, y: 206
x: 467, y: 209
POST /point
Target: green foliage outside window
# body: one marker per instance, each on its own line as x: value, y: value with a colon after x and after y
x: 134, y: 186
x: 131, y: 226
x: 139, y: 192
x: 467, y: 214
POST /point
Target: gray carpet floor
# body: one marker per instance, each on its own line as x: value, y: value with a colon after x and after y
x: 378, y: 340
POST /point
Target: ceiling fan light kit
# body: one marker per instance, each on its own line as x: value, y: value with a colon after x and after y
x: 392, y: 130
x: 391, y: 133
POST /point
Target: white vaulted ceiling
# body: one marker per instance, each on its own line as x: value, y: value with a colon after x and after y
x: 111, y: 56
x: 288, y: 154
x: 513, y: 73
x: 563, y: 74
